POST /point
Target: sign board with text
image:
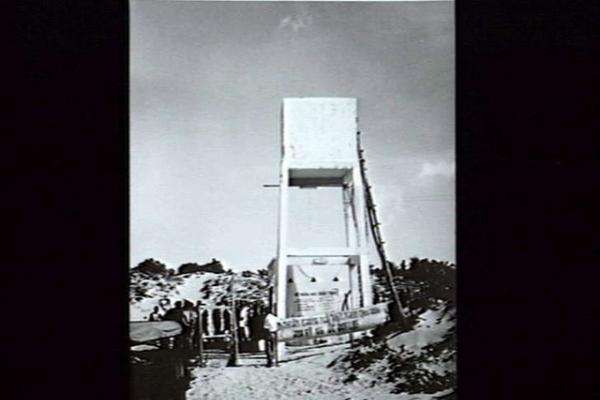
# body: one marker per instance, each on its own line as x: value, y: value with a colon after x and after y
x: 333, y: 323
x: 317, y: 289
x: 315, y: 302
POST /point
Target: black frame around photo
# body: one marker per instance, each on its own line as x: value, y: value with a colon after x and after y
x: 527, y: 152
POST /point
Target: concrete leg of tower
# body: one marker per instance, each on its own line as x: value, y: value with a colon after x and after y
x: 361, y: 222
x: 281, y: 287
x: 349, y: 221
x: 351, y: 231
x: 365, y: 282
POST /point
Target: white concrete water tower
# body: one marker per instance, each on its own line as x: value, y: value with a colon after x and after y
x: 319, y: 149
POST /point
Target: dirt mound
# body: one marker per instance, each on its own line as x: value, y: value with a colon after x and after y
x: 418, y: 361
x: 145, y: 290
x: 248, y: 286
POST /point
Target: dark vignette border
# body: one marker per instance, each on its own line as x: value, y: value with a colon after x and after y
x: 527, y: 160
x: 527, y: 154
x: 67, y: 335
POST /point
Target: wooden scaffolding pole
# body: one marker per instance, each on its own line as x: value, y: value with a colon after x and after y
x: 396, y: 314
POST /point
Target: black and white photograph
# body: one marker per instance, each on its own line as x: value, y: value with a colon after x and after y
x: 292, y: 200
x: 269, y: 200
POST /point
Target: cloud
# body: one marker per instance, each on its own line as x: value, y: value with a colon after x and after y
x: 296, y: 22
x: 441, y: 168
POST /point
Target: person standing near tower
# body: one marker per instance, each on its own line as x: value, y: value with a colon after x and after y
x: 243, y: 324
x: 176, y: 314
x: 191, y: 316
x: 164, y: 305
x: 270, y: 327
x: 155, y: 315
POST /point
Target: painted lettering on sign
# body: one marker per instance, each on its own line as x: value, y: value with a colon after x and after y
x: 333, y: 323
x: 317, y: 302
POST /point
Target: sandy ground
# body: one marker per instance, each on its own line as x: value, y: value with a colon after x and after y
x: 304, y: 376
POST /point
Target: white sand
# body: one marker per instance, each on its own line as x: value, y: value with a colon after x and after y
x: 304, y: 376
x: 430, y: 329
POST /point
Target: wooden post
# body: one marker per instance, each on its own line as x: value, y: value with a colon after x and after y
x: 200, y: 336
x: 234, y: 326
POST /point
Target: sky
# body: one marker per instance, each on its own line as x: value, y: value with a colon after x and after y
x: 207, y: 81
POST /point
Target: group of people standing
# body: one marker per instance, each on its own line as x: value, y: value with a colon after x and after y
x: 186, y: 314
x: 254, y: 323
